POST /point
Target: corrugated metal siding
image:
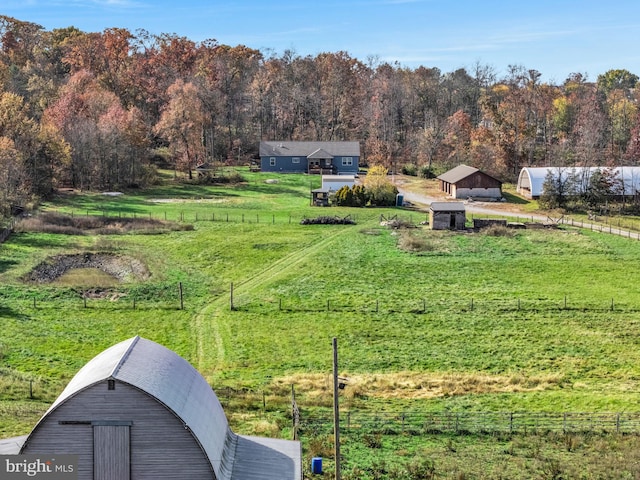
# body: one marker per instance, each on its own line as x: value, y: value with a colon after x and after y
x: 267, y: 459
x: 178, y: 428
x: 161, y: 447
x: 111, y: 452
x: 173, y: 381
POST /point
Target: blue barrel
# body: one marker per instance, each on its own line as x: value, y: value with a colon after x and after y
x: 316, y: 465
x: 399, y: 200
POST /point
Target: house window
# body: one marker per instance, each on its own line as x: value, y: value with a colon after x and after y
x: 272, y: 161
x: 295, y: 160
x: 347, y: 161
x: 111, y: 384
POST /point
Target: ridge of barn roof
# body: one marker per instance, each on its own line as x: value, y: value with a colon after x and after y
x: 460, y: 173
x: 304, y: 149
x: 457, y: 173
x: 175, y: 383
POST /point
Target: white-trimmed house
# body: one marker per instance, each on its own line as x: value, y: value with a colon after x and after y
x: 333, y: 158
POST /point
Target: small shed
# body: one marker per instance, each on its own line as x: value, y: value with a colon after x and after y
x: 336, y: 182
x: 447, y: 216
x: 140, y: 411
x: 464, y: 181
x: 331, y: 184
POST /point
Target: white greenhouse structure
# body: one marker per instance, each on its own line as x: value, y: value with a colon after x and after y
x: 531, y: 179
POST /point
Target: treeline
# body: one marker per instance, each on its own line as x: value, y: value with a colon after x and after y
x: 99, y: 110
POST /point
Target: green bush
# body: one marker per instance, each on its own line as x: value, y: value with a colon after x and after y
x: 410, y: 169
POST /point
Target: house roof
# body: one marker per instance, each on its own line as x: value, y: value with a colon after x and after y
x: 459, y: 173
x: 447, y: 207
x: 320, y: 153
x: 305, y: 149
x: 175, y: 383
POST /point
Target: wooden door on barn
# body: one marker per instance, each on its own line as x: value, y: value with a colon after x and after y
x: 111, y: 452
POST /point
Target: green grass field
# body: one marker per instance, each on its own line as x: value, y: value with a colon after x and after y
x: 531, y: 321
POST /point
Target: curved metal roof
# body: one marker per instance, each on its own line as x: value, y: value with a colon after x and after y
x: 531, y: 179
x: 175, y: 383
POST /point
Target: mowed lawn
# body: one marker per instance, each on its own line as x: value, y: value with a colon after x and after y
x: 534, y: 320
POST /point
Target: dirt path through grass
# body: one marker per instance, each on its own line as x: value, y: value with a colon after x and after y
x: 209, y: 328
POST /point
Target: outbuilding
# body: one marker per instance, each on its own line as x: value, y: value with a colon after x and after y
x: 330, y: 185
x: 140, y: 411
x: 447, y: 216
x: 464, y: 181
x: 531, y: 179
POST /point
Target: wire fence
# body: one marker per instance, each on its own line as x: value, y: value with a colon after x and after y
x: 262, y: 218
x: 605, y: 225
x: 308, y: 420
x: 390, y: 303
x: 475, y: 422
x: 179, y: 296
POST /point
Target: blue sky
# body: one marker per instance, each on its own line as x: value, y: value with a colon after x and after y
x: 555, y: 37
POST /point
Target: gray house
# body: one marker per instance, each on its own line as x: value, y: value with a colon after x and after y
x: 140, y: 411
x: 326, y: 158
x: 447, y: 216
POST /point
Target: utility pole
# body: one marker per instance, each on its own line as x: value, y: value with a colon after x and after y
x: 336, y: 410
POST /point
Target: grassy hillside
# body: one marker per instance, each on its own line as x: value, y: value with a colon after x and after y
x: 524, y: 321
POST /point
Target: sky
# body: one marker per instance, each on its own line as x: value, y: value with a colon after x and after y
x: 554, y: 37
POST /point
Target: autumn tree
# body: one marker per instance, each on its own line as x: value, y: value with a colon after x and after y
x: 617, y: 79
x: 457, y: 139
x: 380, y: 190
x: 181, y: 124
x: 13, y: 177
x: 104, y: 140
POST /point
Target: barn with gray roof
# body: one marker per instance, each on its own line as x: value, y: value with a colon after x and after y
x: 140, y: 411
x: 326, y: 158
x: 464, y: 182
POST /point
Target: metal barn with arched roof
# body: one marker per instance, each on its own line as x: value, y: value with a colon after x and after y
x: 140, y: 411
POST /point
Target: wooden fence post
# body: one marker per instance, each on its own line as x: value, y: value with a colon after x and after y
x: 181, y: 296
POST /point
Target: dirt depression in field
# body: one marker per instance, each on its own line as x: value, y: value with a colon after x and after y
x: 122, y: 268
